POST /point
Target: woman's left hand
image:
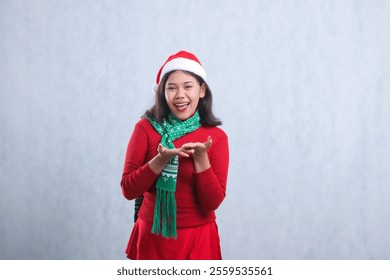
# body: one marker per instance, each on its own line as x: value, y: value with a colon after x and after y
x: 199, y: 152
x: 197, y: 148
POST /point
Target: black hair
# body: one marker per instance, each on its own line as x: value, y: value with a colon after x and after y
x: 160, y: 110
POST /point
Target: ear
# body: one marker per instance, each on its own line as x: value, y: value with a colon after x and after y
x: 203, y: 88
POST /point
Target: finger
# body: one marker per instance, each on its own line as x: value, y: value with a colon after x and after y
x: 182, y: 153
x: 189, y: 151
x: 189, y: 145
x: 209, y: 142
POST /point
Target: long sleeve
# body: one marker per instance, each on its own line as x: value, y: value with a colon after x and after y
x: 211, y: 183
x: 137, y: 176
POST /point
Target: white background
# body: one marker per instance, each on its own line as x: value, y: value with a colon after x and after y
x: 302, y: 87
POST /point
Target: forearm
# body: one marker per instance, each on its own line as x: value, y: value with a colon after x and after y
x: 136, y: 182
x: 157, y: 163
x: 201, y: 162
x: 211, y: 191
x: 211, y: 181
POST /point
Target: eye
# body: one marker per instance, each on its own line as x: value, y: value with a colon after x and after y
x: 188, y: 87
x: 170, y: 88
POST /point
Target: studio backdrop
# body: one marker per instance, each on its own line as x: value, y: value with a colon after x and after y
x: 302, y: 88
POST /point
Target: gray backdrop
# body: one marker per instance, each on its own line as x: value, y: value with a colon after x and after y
x: 303, y: 89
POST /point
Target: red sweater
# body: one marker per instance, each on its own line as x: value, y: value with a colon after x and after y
x: 197, y: 194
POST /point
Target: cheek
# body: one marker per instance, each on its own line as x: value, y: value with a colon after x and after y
x: 196, y: 99
x: 168, y: 98
x: 197, y: 103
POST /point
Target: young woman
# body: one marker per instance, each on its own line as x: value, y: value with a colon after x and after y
x: 177, y: 159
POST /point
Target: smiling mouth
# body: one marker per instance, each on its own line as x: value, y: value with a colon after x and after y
x: 181, y: 106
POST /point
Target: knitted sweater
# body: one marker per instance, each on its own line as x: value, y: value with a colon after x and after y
x: 197, y: 194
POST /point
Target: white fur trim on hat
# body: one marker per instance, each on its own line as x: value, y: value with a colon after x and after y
x: 186, y: 64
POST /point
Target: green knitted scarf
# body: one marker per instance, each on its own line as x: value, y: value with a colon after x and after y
x: 164, y: 221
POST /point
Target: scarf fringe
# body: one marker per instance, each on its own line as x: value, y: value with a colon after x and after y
x: 164, y: 222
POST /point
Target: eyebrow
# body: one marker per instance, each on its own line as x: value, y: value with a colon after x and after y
x: 174, y: 84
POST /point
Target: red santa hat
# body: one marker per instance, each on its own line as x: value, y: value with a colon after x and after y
x: 181, y: 61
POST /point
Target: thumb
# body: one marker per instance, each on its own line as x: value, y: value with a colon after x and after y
x: 209, y: 142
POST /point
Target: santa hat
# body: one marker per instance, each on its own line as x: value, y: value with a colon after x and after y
x: 181, y: 61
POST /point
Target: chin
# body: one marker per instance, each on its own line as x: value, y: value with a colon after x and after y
x: 181, y: 117
x: 184, y: 116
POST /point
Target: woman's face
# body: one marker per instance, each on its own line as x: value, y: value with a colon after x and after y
x: 182, y: 93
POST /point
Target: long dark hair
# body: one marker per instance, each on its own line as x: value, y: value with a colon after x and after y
x: 160, y: 110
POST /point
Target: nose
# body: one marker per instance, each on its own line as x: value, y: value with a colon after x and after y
x: 179, y: 93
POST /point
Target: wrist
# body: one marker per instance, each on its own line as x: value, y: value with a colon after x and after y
x: 157, y: 163
x: 201, y: 162
x: 162, y: 158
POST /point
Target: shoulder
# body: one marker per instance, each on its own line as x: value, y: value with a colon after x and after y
x: 144, y: 124
x: 215, y: 132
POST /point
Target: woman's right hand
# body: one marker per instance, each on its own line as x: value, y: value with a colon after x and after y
x: 167, y: 154
x: 164, y: 155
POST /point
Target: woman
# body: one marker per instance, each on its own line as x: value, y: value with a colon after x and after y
x: 177, y: 159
